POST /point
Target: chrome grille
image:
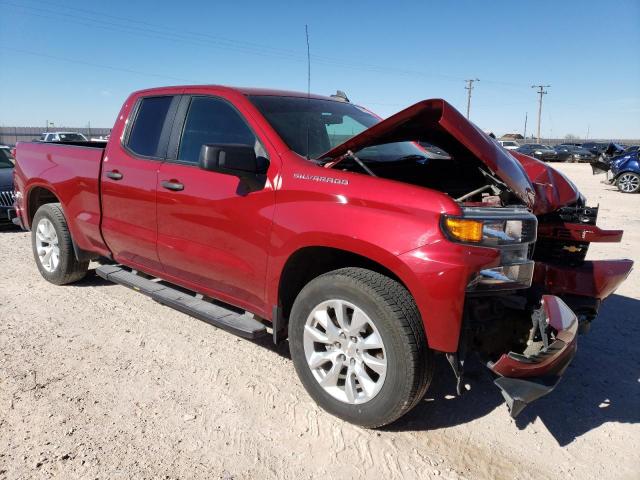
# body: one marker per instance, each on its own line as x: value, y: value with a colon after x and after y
x: 7, y: 198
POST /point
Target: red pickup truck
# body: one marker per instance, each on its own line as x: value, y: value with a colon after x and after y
x: 308, y: 217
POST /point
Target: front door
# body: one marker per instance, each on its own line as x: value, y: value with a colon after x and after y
x: 213, y: 235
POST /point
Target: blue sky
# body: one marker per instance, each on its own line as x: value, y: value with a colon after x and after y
x: 73, y: 62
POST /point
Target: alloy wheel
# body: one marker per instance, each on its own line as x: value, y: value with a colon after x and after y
x: 47, y: 245
x: 629, y: 183
x: 345, y: 351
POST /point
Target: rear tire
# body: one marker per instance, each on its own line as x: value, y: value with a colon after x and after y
x: 53, y: 247
x: 362, y: 384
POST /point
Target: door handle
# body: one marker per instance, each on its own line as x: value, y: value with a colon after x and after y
x: 114, y: 175
x: 172, y: 185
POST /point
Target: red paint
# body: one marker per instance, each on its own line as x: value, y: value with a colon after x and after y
x: 232, y: 246
x: 553, y: 189
x: 597, y: 279
x: 560, y: 351
x: 578, y: 232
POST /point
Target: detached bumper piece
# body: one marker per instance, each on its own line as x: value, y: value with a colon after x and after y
x: 525, y: 377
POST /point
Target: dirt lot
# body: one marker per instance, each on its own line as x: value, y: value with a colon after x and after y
x: 97, y: 381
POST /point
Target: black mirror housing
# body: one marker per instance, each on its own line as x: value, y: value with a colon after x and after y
x: 232, y: 159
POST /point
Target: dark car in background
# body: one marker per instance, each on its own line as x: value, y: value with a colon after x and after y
x: 609, y: 149
x: 597, y: 148
x: 8, y: 149
x: 539, y: 151
x: 573, y: 153
x: 6, y: 185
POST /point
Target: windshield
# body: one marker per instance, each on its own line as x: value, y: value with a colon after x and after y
x: 5, y: 159
x: 72, y: 137
x: 311, y: 127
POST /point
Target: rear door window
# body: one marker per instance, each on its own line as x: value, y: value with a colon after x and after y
x: 150, y: 127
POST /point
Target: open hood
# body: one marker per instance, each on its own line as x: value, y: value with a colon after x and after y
x: 436, y: 121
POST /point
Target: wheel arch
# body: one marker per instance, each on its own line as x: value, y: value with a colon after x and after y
x: 311, y: 261
x: 37, y: 196
x: 40, y: 195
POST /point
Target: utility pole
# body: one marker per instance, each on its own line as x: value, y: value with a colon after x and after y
x: 469, y: 87
x: 541, y: 92
x: 526, y: 114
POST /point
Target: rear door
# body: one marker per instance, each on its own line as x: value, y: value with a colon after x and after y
x: 213, y: 234
x: 129, y: 180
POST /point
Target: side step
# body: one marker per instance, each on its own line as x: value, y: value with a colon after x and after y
x: 243, y: 325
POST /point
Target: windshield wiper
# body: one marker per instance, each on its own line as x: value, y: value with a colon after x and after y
x: 349, y: 156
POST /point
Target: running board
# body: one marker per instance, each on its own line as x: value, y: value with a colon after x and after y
x: 243, y: 325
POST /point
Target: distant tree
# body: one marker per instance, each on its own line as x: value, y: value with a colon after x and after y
x: 570, y: 136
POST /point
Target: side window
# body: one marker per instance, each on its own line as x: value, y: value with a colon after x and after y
x: 144, y: 138
x: 211, y: 120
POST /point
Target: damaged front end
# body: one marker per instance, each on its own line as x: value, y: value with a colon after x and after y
x: 537, y: 324
x: 523, y: 314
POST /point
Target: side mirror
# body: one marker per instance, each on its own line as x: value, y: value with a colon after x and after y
x: 237, y: 160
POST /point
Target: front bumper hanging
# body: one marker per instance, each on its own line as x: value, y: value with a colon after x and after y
x: 525, y: 377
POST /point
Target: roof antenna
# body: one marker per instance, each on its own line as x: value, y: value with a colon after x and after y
x: 306, y: 32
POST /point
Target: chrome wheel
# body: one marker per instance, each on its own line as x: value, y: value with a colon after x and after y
x: 345, y: 352
x: 47, y: 245
x: 629, y: 182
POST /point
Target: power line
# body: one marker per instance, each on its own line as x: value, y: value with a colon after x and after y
x: 469, y: 87
x: 163, y: 32
x: 541, y: 92
x: 96, y: 65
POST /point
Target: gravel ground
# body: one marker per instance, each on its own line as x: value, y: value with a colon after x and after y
x: 97, y: 381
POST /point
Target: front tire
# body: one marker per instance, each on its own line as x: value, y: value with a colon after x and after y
x: 628, y: 182
x: 53, y: 248
x: 358, y: 346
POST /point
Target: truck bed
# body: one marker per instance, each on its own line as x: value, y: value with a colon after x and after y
x: 72, y: 171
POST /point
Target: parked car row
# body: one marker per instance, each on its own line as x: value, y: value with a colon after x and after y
x: 569, y: 151
x: 620, y: 162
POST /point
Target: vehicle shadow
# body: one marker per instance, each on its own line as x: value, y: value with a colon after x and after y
x: 266, y: 342
x: 92, y: 280
x: 7, y: 227
x: 600, y: 386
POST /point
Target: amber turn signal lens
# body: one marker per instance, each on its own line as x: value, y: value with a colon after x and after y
x: 464, y: 230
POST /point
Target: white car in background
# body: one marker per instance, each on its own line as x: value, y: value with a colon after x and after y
x: 509, y: 144
x: 62, y: 137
